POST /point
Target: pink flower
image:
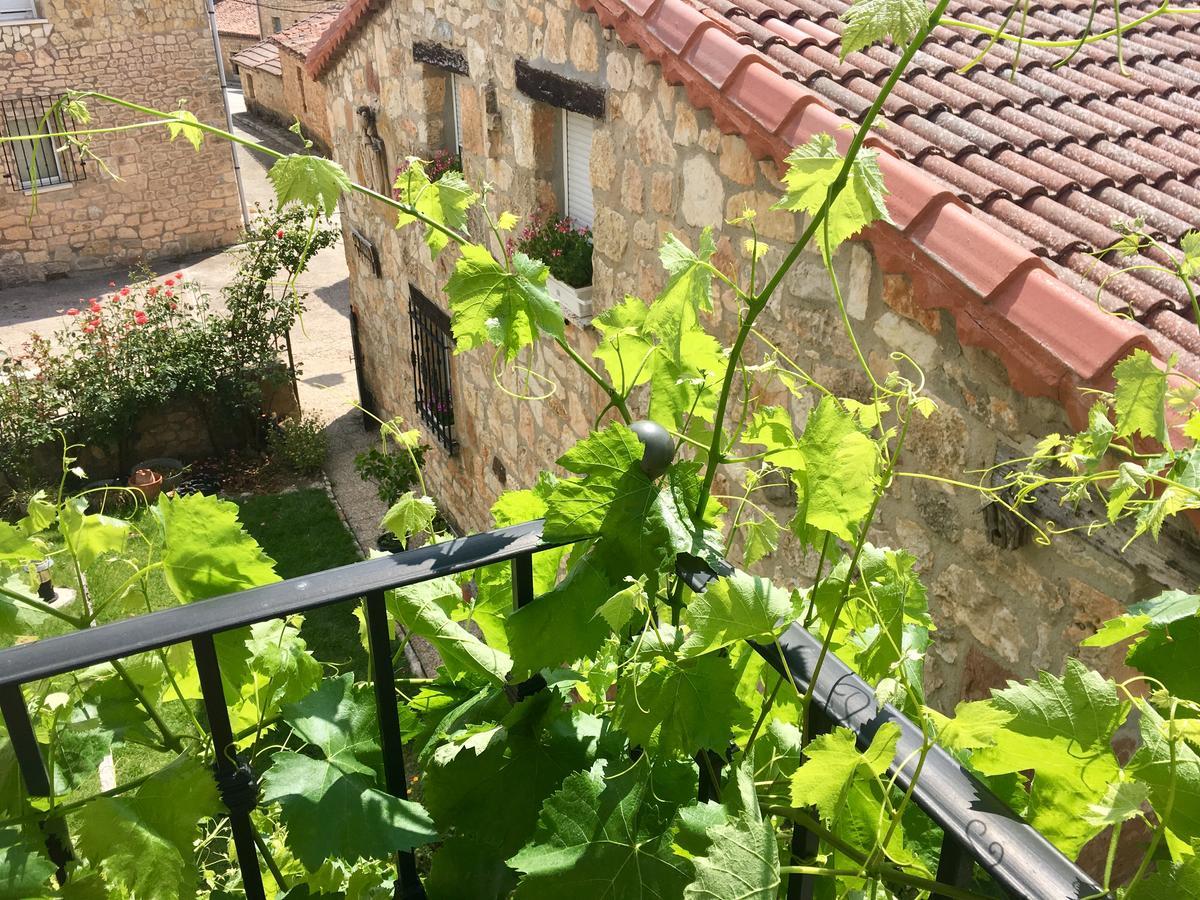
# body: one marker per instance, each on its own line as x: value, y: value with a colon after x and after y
x: 72, y: 311
x: 112, y: 284
x: 170, y: 282
x: 179, y: 275
x: 140, y: 317
x: 170, y: 293
x: 124, y: 292
x: 153, y: 291
x: 279, y: 234
x: 94, y: 306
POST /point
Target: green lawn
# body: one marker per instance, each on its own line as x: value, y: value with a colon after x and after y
x: 303, y: 533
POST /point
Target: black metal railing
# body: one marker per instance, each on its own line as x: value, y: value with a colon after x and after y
x: 978, y: 828
x: 42, y: 162
x: 432, y: 347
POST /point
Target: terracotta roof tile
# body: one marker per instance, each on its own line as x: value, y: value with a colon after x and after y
x: 331, y: 43
x: 262, y: 57
x: 237, y: 18
x: 1008, y: 173
x: 304, y: 35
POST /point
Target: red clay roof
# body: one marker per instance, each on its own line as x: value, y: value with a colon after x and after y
x: 238, y: 18
x: 999, y: 187
x: 331, y: 43
x: 304, y: 35
x: 262, y: 57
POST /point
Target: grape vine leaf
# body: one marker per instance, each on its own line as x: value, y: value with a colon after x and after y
x: 206, y: 552
x: 89, y: 537
x: 679, y: 706
x: 1166, y: 650
x: 1174, y: 778
x: 313, y: 793
x: 445, y: 201
x: 870, y: 21
x: 313, y: 181
x: 185, y: 123
x: 1062, y: 728
x: 618, y: 609
x: 735, y: 608
x: 742, y: 855
x: 342, y: 786
x: 491, y: 304
x: 760, y: 537
x: 410, y: 515
x: 689, y: 276
x: 834, y: 763
x: 15, y: 546
x: 421, y: 614
x: 1122, y: 802
x: 611, y: 832
x: 143, y: 842
x: 625, y: 349
x: 840, y: 475
x: 506, y: 783
x: 1141, y: 397
x: 23, y: 873
x: 1179, y: 881
x: 813, y: 168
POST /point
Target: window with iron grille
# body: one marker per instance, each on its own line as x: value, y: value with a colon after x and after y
x: 432, y: 345
x: 43, y: 161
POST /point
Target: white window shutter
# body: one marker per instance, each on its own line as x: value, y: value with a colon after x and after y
x: 16, y: 9
x: 577, y: 147
x: 456, y: 113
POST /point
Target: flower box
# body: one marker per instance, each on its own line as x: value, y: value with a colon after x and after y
x: 575, y: 302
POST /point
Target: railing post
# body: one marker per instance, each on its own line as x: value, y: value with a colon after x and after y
x: 805, y: 844
x: 239, y: 790
x: 522, y: 580
x: 33, y: 771
x: 955, y: 866
x: 408, y: 882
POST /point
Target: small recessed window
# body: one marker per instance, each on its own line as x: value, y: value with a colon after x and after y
x: 41, y: 161
x: 453, y: 126
x: 276, y: 24
x: 17, y: 10
x: 432, y: 347
x: 577, y: 168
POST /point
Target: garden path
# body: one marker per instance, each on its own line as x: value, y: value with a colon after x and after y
x: 321, y: 342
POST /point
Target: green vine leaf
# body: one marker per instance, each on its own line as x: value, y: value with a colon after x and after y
x: 678, y: 707
x: 206, y: 551
x: 733, y: 609
x: 23, y: 873
x: 835, y: 764
x: 1141, y: 397
x: 445, y: 201
x: 313, y: 181
x: 871, y: 21
x: 410, y: 515
x: 612, y: 830
x: 143, y: 842
x: 88, y: 537
x: 1179, y: 881
x: 742, y: 855
x: 1122, y: 802
x: 343, y: 786
x: 491, y: 304
x: 812, y: 171
x: 625, y: 350
x: 185, y: 124
x: 1173, y: 777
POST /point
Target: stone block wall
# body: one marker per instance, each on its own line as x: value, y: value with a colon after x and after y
x: 658, y: 164
x: 264, y: 96
x: 304, y: 99
x: 170, y: 200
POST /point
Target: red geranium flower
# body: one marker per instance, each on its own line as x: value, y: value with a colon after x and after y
x: 279, y: 234
x: 124, y: 292
x: 72, y: 311
x: 170, y: 293
x: 179, y: 275
x: 94, y: 306
x: 170, y: 282
x: 140, y: 317
x: 153, y: 291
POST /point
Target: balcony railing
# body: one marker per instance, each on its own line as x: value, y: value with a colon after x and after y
x: 978, y: 827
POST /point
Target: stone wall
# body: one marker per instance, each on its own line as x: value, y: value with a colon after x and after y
x: 170, y: 200
x: 264, y: 96
x: 658, y: 164
x: 231, y: 45
x: 304, y: 99
x: 288, y: 14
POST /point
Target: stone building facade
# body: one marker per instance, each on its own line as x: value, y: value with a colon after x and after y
x: 238, y: 29
x: 167, y: 199
x: 659, y: 164
x: 275, y: 16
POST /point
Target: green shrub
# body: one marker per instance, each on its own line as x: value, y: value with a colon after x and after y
x: 299, y: 444
x: 392, y: 473
x: 566, y: 249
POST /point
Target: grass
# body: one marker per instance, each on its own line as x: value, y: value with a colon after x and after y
x: 303, y: 533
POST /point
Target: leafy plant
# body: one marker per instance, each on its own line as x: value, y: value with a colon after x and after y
x: 560, y: 244
x: 299, y: 444
x: 394, y: 465
x: 563, y: 745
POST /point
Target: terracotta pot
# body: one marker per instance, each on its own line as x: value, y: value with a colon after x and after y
x: 148, y: 482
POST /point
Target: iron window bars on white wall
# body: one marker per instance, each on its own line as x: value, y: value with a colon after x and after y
x: 42, y: 162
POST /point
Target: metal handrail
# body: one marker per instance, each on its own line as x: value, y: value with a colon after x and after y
x: 978, y: 827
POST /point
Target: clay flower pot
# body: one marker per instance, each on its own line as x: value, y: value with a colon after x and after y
x: 148, y: 482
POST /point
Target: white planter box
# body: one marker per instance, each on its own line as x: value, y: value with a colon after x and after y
x: 575, y: 302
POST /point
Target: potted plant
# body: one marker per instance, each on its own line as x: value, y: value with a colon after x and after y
x: 148, y: 483
x: 567, y: 250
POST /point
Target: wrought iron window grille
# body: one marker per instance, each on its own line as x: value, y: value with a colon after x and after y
x: 42, y: 162
x: 432, y: 347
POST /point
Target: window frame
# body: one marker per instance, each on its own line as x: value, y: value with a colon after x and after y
x: 276, y: 24
x: 27, y: 12
x: 454, y: 108
x: 23, y: 116
x: 433, y: 378
x: 564, y: 127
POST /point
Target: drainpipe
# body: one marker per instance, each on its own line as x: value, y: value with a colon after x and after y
x: 237, y: 166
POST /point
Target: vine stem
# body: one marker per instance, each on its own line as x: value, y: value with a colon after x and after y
x: 893, y: 875
x: 758, y: 302
x: 617, y: 400
x: 998, y: 34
